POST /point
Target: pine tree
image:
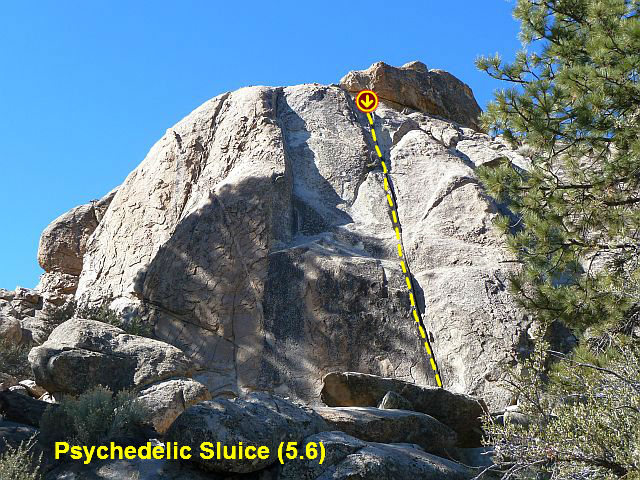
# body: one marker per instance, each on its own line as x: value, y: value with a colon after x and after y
x: 574, y: 105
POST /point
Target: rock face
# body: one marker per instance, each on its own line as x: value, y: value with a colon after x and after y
x: 460, y: 412
x: 349, y: 458
x: 80, y: 354
x: 414, y: 86
x: 257, y: 420
x: 255, y: 236
x: 391, y: 426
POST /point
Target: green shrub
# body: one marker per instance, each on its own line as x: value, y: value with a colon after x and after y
x: 583, y: 412
x: 133, y: 324
x: 58, y: 315
x: 13, y: 359
x: 102, y: 313
x: 20, y: 463
x: 93, y: 417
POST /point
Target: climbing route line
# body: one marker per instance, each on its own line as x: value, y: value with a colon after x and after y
x: 404, y: 262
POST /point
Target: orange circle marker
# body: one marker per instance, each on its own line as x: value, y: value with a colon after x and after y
x: 366, y: 101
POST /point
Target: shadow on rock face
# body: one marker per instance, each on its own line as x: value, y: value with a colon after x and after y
x: 260, y: 308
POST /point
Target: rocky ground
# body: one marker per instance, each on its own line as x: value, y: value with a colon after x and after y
x: 371, y: 427
x: 254, y: 242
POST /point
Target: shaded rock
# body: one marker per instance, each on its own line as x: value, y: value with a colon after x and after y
x: 79, y: 352
x: 12, y: 434
x: 349, y: 458
x: 167, y: 399
x: 259, y: 419
x: 127, y: 469
x: 391, y: 426
x: 21, y: 408
x: 35, y: 330
x: 413, y: 85
x: 460, y: 412
x: 393, y: 400
x: 63, y: 242
x: 28, y: 296
x: 21, y: 313
x: 6, y: 294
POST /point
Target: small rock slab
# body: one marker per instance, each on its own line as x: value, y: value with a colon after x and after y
x: 462, y: 413
x: 167, y: 399
x: 391, y: 426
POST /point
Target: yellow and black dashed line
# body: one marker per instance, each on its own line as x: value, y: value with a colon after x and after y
x: 391, y: 201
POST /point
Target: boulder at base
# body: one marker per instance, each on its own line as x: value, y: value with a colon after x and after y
x: 391, y: 426
x: 81, y: 354
x: 258, y: 419
x: 462, y: 413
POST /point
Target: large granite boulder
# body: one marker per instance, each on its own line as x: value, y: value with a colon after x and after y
x: 258, y: 420
x: 255, y: 236
x: 414, y: 86
x: 391, y: 426
x: 80, y: 354
x: 462, y: 413
x: 348, y: 458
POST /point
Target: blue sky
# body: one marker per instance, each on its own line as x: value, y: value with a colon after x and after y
x: 87, y: 87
